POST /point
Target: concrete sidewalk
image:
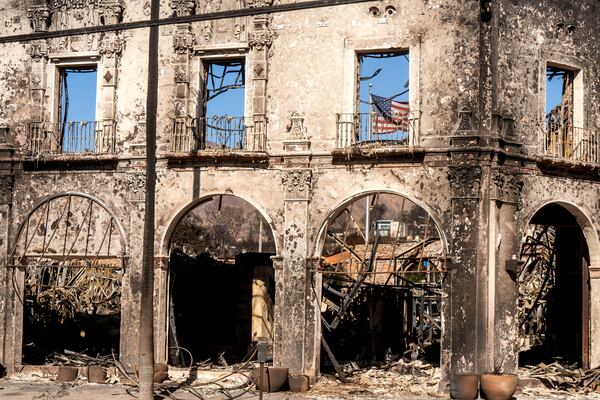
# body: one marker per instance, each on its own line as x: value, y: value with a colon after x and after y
x: 36, y: 389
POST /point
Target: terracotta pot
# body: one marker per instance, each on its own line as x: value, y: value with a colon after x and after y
x: 464, y: 386
x: 499, y: 386
x: 298, y: 383
x: 67, y: 374
x: 96, y: 374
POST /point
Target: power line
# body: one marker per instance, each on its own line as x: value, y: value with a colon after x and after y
x: 178, y: 20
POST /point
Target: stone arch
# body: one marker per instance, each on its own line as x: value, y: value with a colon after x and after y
x: 92, y: 199
x: 584, y: 221
x: 319, y: 237
x: 70, y: 250
x: 177, y: 216
x: 404, y: 250
x: 589, y: 327
x: 234, y: 272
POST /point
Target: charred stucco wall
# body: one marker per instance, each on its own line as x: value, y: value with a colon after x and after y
x: 477, y: 85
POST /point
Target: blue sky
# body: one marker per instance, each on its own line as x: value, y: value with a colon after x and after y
x: 390, y: 81
x: 230, y: 102
x: 553, y: 92
x: 82, y: 96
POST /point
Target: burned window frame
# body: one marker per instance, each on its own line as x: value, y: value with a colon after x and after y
x: 226, y: 130
x: 559, y: 139
x: 347, y: 118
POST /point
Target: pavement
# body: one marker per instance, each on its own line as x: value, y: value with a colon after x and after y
x: 42, y: 389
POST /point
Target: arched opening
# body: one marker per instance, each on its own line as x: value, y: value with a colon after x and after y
x: 382, y: 266
x: 71, y: 249
x: 554, y: 290
x: 221, y: 282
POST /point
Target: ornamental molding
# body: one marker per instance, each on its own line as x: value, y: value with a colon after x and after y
x: 110, y: 46
x: 183, y: 39
x: 259, y: 3
x: 465, y: 180
x: 183, y: 7
x: 296, y: 129
x: 6, y: 189
x: 136, y: 186
x: 39, y: 17
x: 297, y: 184
x: 507, y: 186
x: 38, y: 51
x: 262, y: 39
x: 4, y: 134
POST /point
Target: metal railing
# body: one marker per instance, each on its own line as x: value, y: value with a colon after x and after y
x: 570, y: 143
x: 373, y: 129
x: 72, y: 137
x: 218, y: 133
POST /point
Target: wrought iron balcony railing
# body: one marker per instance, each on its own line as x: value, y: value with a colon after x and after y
x: 373, y: 129
x: 569, y: 143
x: 71, y: 138
x: 218, y: 133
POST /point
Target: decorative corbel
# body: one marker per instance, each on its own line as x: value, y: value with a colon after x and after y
x: 39, y: 17
x: 183, y: 7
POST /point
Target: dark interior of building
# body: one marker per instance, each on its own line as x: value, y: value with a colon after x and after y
x: 555, y: 320
x: 211, y: 307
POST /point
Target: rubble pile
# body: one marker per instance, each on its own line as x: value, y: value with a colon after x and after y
x: 564, y: 377
x: 393, y: 379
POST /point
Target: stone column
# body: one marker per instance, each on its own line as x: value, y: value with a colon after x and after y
x: 260, y: 39
x: 464, y: 281
x: 134, y: 185
x: 292, y: 275
x: 6, y: 224
x: 504, y: 250
x: 38, y: 51
x: 110, y: 47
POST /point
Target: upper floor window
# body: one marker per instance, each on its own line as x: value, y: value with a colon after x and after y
x: 565, y: 135
x: 76, y: 108
x: 70, y: 125
x: 382, y: 112
x: 222, y: 104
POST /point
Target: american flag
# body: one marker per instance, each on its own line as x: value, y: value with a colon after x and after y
x: 389, y: 115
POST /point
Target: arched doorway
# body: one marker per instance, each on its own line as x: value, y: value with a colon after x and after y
x: 382, y: 266
x: 221, y: 288
x: 554, y: 290
x: 71, y: 248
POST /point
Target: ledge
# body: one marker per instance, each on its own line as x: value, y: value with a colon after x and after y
x: 570, y: 168
x: 238, y: 158
x: 379, y: 153
x: 70, y: 162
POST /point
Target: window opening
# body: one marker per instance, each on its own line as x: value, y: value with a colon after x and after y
x: 77, y: 108
x: 383, y: 97
x: 221, y: 115
x: 559, y: 111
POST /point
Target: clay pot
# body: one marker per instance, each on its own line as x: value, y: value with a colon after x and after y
x: 298, y: 383
x: 96, y: 374
x: 464, y: 386
x: 161, y: 373
x: 274, y: 378
x: 499, y: 386
x: 67, y: 374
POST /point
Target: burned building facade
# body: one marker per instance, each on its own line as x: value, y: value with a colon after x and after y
x: 469, y: 197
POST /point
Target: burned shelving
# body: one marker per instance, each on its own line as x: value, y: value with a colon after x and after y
x: 382, y: 285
